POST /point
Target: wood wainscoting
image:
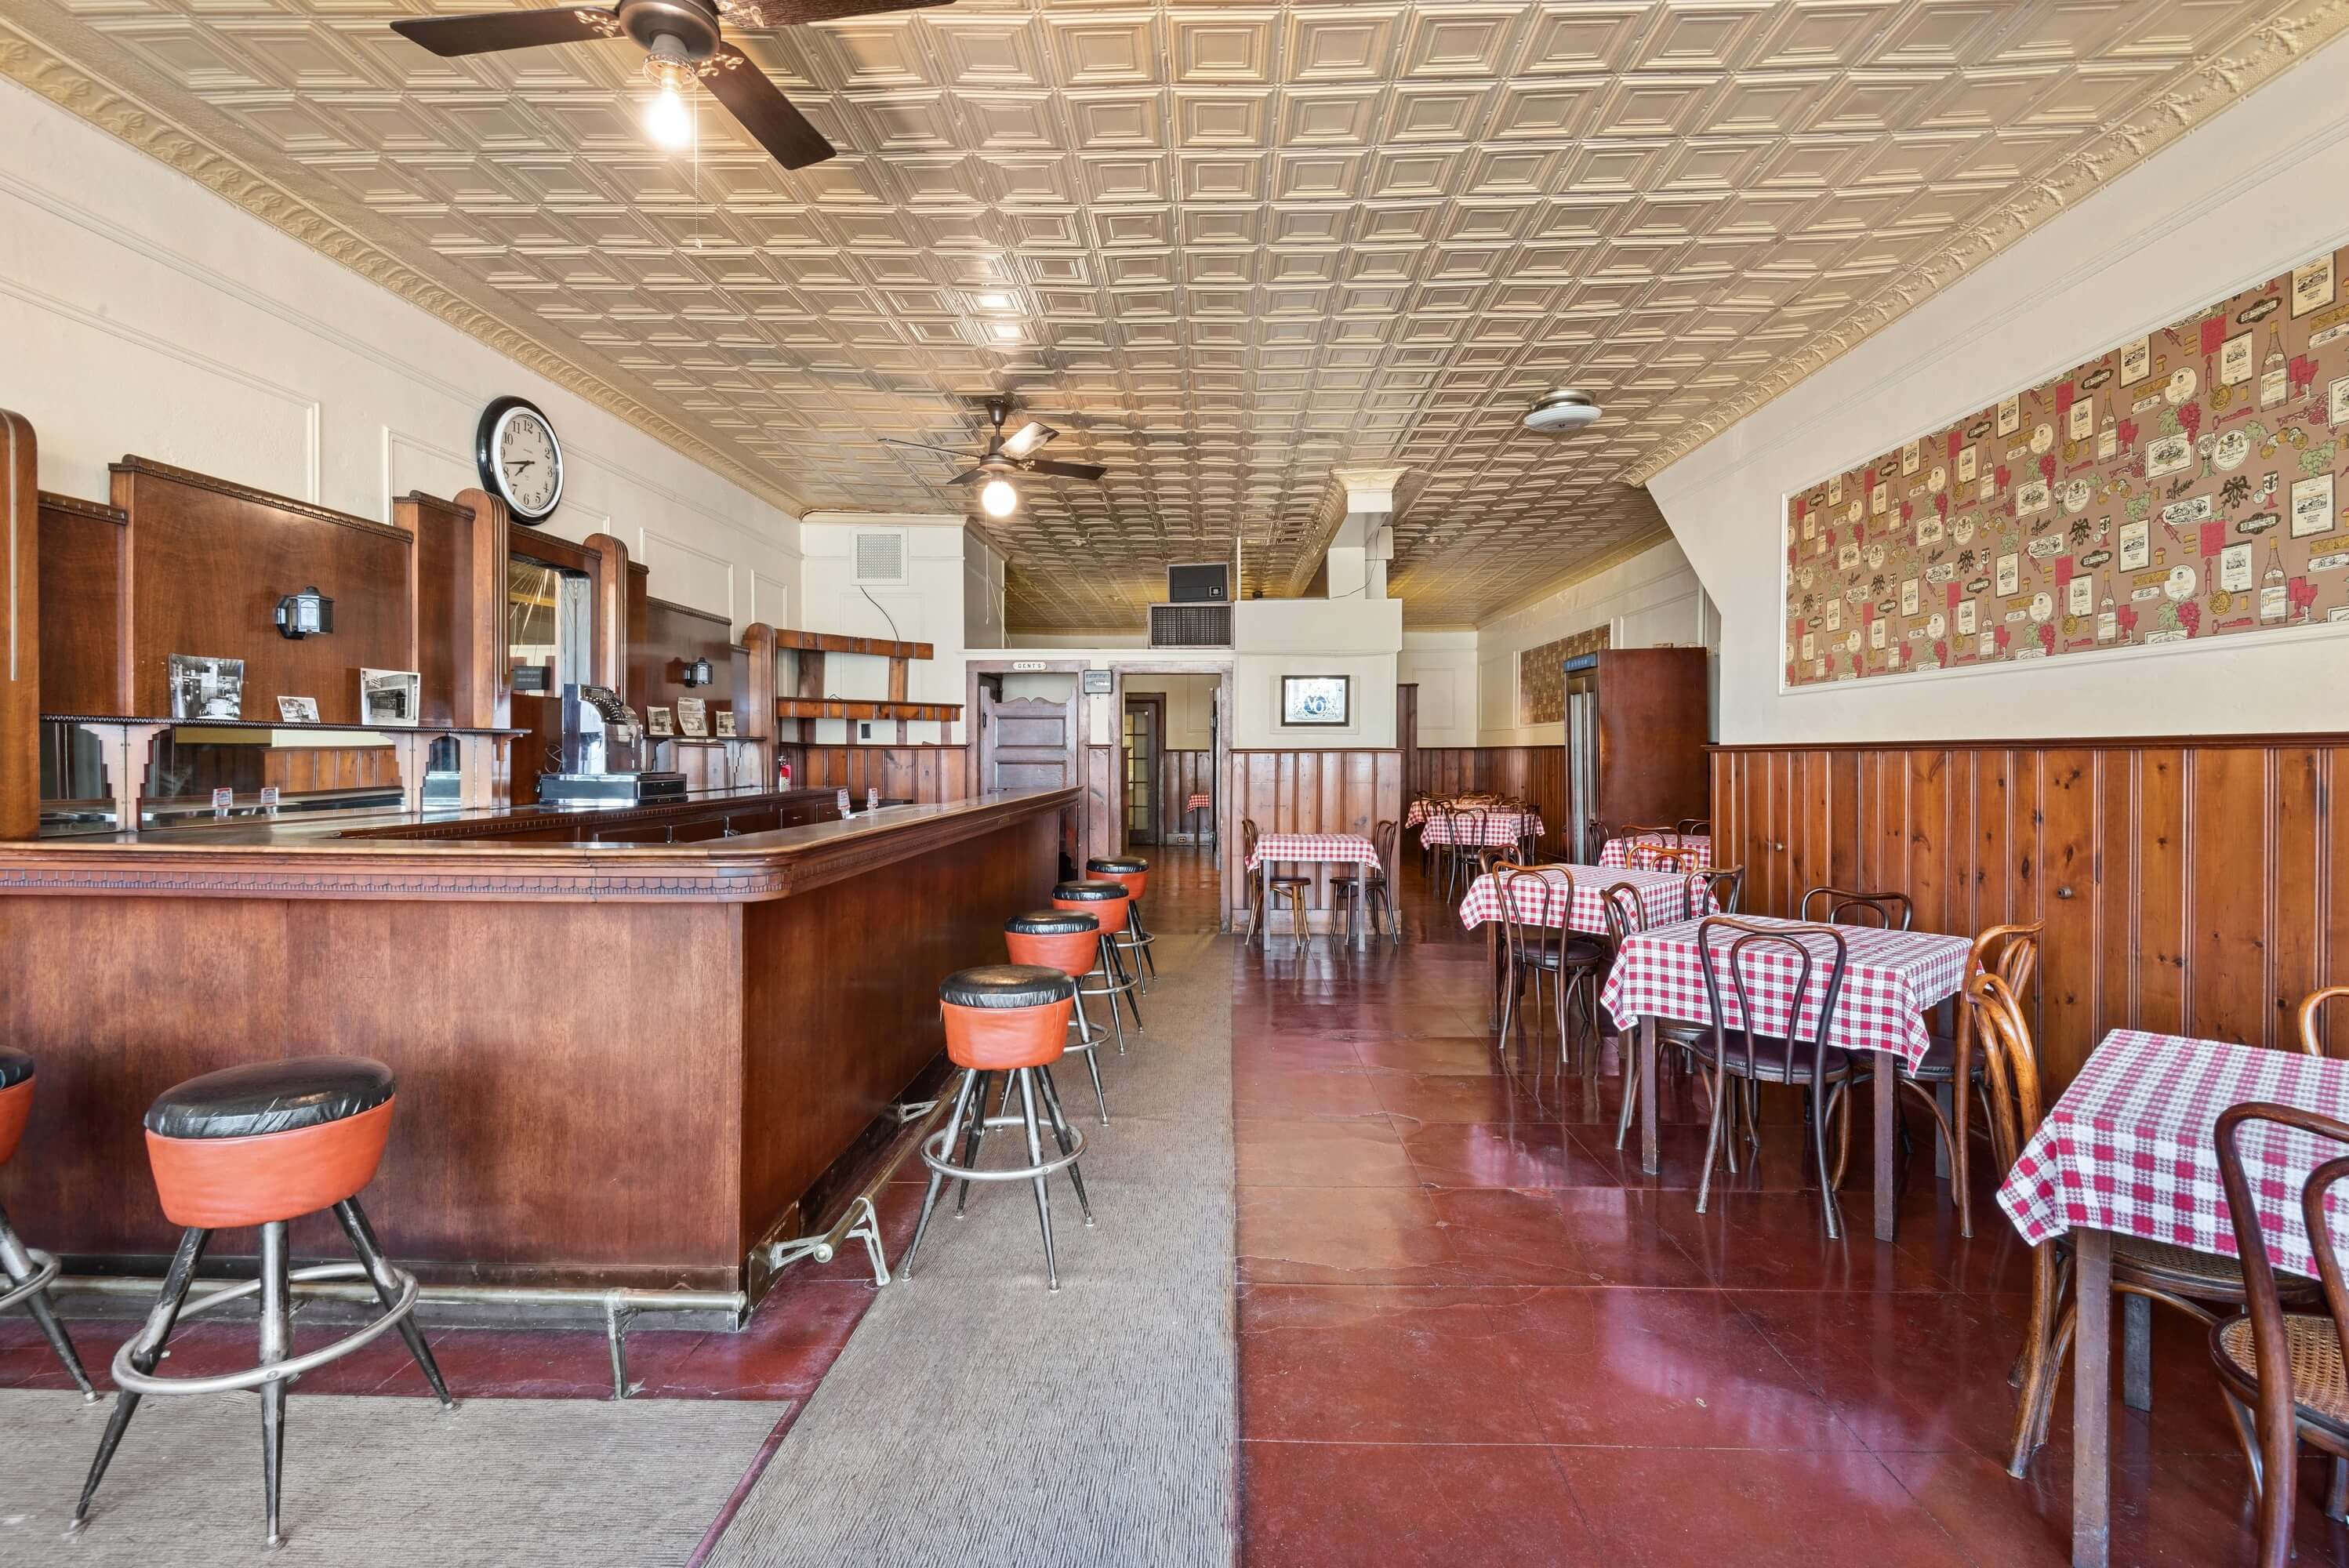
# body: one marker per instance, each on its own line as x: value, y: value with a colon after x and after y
x: 2189, y: 885
x: 927, y: 775
x: 1304, y: 792
x: 1181, y: 775
x: 1535, y: 773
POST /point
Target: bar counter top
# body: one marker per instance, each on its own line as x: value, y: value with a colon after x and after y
x: 487, y: 855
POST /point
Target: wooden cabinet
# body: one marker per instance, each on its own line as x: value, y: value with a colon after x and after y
x: 1637, y: 720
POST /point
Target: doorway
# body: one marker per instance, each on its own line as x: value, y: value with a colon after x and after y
x: 1146, y: 745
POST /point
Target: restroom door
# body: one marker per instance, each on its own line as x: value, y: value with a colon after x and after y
x: 1145, y: 733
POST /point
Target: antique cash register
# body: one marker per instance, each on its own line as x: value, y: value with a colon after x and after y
x: 600, y: 756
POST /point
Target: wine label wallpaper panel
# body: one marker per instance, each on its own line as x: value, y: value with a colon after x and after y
x: 2186, y: 485
x: 1541, y: 674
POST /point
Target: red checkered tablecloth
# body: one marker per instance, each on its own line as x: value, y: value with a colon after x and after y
x: 1890, y: 978
x: 1619, y: 852
x: 1350, y: 847
x: 1199, y: 803
x: 1500, y: 829
x: 1664, y: 898
x: 2130, y: 1147
x: 1420, y: 810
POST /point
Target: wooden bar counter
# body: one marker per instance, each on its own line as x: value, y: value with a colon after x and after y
x: 622, y: 1063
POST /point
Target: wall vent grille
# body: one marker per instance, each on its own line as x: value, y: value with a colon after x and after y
x: 1190, y: 625
x: 880, y: 557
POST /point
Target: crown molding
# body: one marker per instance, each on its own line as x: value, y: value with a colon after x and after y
x: 2215, y: 85
x: 34, y: 64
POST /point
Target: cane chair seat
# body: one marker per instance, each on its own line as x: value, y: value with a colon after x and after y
x: 2319, y: 1383
x: 1940, y: 1063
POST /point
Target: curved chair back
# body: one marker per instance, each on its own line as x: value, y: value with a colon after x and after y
x: 1625, y: 916
x: 1648, y: 857
x: 1526, y: 932
x: 1383, y: 839
x: 1995, y: 1020
x: 1725, y: 883
x: 1843, y: 906
x: 2311, y: 1018
x: 1693, y: 827
x: 1749, y: 947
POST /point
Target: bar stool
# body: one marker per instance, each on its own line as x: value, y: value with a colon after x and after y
x: 261, y: 1145
x: 1068, y: 941
x: 1107, y: 902
x: 1008, y: 1018
x: 28, y: 1273
x: 1134, y: 872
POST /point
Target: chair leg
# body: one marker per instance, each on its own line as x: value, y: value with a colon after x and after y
x: 1062, y: 1136
x: 1036, y: 1157
x: 937, y: 1179
x: 276, y: 1340
x: 1630, y: 1089
x: 387, y: 1291
x: 1711, y: 1142
x: 2137, y: 1352
x: 1819, y: 1114
x: 146, y: 1351
x: 17, y: 1264
x: 2036, y: 1363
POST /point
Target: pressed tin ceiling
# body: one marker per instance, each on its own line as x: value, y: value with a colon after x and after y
x: 1224, y: 248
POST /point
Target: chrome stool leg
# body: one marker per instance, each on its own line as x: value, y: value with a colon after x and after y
x: 276, y: 1340
x: 27, y: 1276
x: 1036, y: 1157
x: 973, y: 1102
x: 938, y: 1177
x: 1062, y: 1135
x: 144, y: 1351
x: 970, y: 1145
x: 1142, y: 941
x: 1087, y: 1041
x: 385, y: 1281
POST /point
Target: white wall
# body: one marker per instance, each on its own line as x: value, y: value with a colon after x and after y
x: 1443, y: 665
x: 1360, y: 638
x: 1190, y: 708
x: 982, y: 595
x: 928, y: 607
x: 2234, y: 202
x: 1651, y: 599
x: 144, y: 315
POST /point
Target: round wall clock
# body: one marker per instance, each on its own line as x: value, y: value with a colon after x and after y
x: 519, y: 457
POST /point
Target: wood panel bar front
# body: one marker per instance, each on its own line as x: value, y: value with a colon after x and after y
x: 619, y: 1063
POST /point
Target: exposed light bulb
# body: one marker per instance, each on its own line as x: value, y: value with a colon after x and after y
x: 667, y: 120
x: 996, y: 498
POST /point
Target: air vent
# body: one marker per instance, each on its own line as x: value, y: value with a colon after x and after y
x: 1190, y: 625
x: 880, y: 557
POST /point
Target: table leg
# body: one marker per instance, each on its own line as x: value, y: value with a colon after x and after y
x: 1887, y: 1144
x: 1648, y: 1159
x: 1493, y: 974
x: 2091, y: 1396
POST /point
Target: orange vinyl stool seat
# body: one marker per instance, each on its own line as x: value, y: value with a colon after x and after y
x: 1068, y: 940
x: 262, y: 1145
x: 1013, y: 1019
x: 26, y: 1273
x: 1134, y: 872
x: 1109, y: 903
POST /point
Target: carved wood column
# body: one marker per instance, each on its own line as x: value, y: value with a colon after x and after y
x: 756, y: 712
x: 609, y: 658
x: 20, y: 634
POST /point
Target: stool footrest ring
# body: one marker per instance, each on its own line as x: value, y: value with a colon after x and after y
x: 45, y: 1269
x: 131, y: 1381
x: 934, y: 1156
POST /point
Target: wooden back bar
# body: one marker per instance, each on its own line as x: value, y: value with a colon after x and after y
x: 620, y: 1063
x: 20, y: 638
x: 2194, y: 885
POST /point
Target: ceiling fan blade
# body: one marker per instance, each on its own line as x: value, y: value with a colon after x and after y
x: 763, y: 111
x: 968, y: 475
x: 487, y: 32
x: 1092, y: 471
x: 923, y: 446
x: 1028, y: 437
x: 765, y: 14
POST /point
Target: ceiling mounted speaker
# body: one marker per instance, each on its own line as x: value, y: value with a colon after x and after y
x: 1555, y: 413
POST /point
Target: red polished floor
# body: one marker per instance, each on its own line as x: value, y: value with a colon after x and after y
x: 1472, y: 1332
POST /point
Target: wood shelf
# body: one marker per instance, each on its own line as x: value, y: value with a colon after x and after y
x: 833, y: 643
x: 834, y: 708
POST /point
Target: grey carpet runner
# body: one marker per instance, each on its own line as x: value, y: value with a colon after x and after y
x: 976, y: 1419
x: 376, y: 1482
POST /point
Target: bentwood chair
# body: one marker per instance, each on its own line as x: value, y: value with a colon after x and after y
x: 1842, y: 906
x: 2286, y: 1374
x: 1725, y: 883
x: 1650, y: 857
x: 1273, y: 883
x: 1693, y: 827
x: 1824, y: 1072
x: 1951, y: 1067
x: 1361, y: 896
x: 2144, y: 1272
x: 1563, y: 960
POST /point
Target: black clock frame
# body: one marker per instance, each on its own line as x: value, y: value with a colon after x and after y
x: 486, y: 460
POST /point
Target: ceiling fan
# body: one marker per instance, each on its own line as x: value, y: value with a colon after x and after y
x: 681, y: 42
x: 1005, y: 455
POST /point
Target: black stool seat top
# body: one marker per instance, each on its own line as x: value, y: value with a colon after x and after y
x: 15, y: 1066
x: 1089, y: 891
x: 1006, y: 985
x: 1124, y: 865
x: 263, y: 1097
x: 1051, y: 923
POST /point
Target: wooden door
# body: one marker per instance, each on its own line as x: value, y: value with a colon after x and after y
x: 1407, y: 735
x: 1144, y: 741
x: 1027, y: 743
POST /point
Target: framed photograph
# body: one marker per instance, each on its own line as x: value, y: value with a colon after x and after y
x: 692, y: 716
x: 298, y: 709
x: 207, y: 688
x: 656, y: 722
x: 724, y: 719
x: 388, y: 697
x: 1317, y: 699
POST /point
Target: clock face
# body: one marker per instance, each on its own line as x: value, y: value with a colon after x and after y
x: 522, y: 459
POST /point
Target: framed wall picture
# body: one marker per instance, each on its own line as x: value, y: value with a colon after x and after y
x: 298, y: 709
x: 388, y: 697
x: 656, y: 722
x: 692, y: 716
x: 1317, y: 699
x: 206, y: 687
x: 724, y: 719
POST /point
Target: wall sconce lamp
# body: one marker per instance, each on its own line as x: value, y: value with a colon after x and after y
x: 300, y: 614
x: 697, y: 673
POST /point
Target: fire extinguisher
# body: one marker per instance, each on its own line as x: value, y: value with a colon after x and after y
x: 782, y: 772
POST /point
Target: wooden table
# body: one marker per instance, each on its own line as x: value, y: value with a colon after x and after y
x: 2130, y: 1150
x: 1891, y: 979
x: 1344, y: 849
x: 1624, y: 851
